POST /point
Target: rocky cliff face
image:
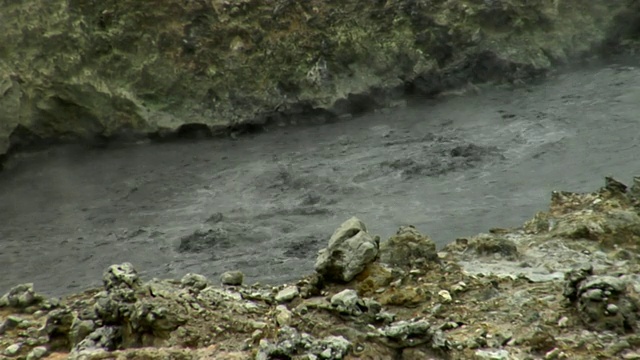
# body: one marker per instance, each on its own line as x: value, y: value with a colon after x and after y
x: 80, y: 69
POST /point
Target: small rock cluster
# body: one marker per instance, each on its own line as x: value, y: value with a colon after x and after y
x: 546, y: 290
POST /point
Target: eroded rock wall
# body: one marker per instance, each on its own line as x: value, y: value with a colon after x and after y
x: 73, y: 69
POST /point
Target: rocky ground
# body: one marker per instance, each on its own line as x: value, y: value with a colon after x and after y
x: 562, y: 286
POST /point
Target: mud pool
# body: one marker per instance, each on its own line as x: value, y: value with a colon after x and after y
x: 265, y: 203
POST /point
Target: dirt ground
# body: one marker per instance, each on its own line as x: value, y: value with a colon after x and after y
x: 265, y: 203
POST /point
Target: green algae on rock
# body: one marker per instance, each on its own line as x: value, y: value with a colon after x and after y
x: 72, y: 69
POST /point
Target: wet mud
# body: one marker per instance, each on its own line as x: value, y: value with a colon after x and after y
x: 265, y: 203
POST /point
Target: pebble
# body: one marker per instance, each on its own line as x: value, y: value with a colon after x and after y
x: 257, y: 335
x: 631, y: 356
x: 492, y: 355
x: 553, y: 354
x: 258, y: 325
x: 612, y: 309
x: 594, y: 295
x: 346, y: 298
x: 12, y: 350
x: 445, y: 296
x: 459, y: 287
x: 37, y: 353
x: 563, y: 322
x: 287, y: 294
x: 326, y: 354
x: 283, y: 315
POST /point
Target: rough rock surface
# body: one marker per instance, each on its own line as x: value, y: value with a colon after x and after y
x: 408, y: 248
x: 93, y: 70
x: 465, y: 304
x: 350, y: 249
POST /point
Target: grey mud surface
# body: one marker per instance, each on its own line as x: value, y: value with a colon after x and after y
x: 265, y: 203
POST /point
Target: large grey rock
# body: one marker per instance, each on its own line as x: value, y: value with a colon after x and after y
x: 350, y: 249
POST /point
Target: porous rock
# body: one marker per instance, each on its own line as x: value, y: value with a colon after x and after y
x: 350, y: 249
x: 105, y: 338
x: 292, y: 343
x: 408, y: 247
x: 606, y: 303
x: 407, y: 333
x: 122, y: 275
x: 490, y: 245
x: 21, y: 296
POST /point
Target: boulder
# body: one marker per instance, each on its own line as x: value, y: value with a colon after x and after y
x: 195, y: 281
x: 119, y: 276
x: 287, y: 294
x: 20, y: 297
x: 408, y: 247
x: 350, y: 249
x: 232, y: 278
x: 604, y: 303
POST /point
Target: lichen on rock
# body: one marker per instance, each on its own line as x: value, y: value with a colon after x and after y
x: 86, y: 70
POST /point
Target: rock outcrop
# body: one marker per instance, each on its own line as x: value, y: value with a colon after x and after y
x: 537, y: 291
x: 93, y: 70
